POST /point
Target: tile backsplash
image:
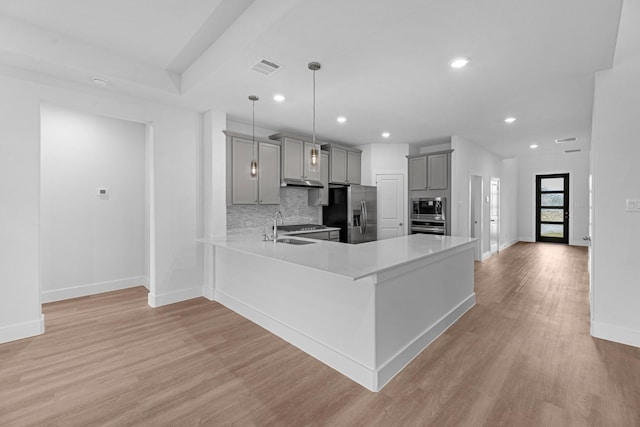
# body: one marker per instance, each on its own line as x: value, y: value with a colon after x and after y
x: 293, y: 205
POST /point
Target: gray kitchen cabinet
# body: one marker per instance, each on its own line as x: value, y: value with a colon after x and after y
x: 268, y: 174
x: 344, y: 164
x: 418, y: 173
x: 320, y: 196
x: 292, y: 158
x: 429, y: 171
x: 354, y: 159
x: 296, y: 160
x: 338, y: 165
x: 242, y: 188
x: 437, y: 170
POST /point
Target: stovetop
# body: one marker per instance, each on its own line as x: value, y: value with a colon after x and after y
x: 301, y: 227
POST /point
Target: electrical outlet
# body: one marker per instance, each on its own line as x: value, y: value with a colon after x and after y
x: 632, y: 205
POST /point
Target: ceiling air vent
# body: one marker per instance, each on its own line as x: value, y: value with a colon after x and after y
x: 563, y: 140
x: 266, y: 67
x: 577, y: 150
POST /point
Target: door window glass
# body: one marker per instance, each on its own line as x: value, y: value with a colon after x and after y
x: 552, y: 199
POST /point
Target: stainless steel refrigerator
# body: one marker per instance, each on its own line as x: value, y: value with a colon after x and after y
x: 353, y: 209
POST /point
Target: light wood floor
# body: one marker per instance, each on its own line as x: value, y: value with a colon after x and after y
x: 522, y: 356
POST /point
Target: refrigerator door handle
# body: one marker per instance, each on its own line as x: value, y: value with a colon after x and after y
x: 366, y: 216
x: 362, y: 218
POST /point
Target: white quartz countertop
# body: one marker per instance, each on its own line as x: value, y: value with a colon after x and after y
x: 343, y: 259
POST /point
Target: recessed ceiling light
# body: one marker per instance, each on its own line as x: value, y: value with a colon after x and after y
x: 341, y: 119
x: 278, y: 97
x: 533, y: 146
x: 386, y: 134
x: 459, y: 62
x: 510, y: 120
x: 98, y: 81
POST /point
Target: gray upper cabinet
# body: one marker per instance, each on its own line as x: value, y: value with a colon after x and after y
x: 429, y: 172
x: 268, y: 174
x: 437, y: 170
x: 292, y: 158
x: 418, y: 173
x: 320, y: 196
x: 338, y: 166
x: 296, y: 159
x: 354, y: 159
x: 344, y: 164
x: 242, y: 189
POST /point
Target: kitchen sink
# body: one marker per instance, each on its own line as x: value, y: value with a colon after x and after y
x: 300, y: 227
x: 294, y: 242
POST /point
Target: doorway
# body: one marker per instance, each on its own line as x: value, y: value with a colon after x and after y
x: 552, y: 208
x: 94, y: 207
x: 494, y: 216
x: 475, y: 212
x: 391, y: 214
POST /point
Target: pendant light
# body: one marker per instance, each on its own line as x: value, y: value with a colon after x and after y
x: 254, y: 162
x: 315, y: 153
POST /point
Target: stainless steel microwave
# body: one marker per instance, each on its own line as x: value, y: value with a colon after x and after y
x: 428, y: 208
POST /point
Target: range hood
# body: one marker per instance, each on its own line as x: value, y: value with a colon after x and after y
x: 308, y: 183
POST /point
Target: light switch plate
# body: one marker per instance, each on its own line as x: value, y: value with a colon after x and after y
x: 102, y: 192
x: 632, y: 205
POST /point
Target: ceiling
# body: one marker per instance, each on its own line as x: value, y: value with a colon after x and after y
x: 385, y: 65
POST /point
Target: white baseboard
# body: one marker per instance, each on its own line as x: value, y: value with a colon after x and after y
x: 486, y: 256
x: 22, y: 330
x: 528, y: 239
x: 615, y: 333
x: 209, y: 293
x: 506, y: 245
x: 397, y: 363
x: 158, y: 300
x: 330, y: 357
x: 92, y: 289
x: 373, y: 380
x: 579, y: 243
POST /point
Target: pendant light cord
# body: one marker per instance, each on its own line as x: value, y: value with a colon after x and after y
x: 314, y: 108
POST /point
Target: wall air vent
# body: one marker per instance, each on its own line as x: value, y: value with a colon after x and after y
x: 563, y: 140
x: 266, y: 67
x: 577, y: 150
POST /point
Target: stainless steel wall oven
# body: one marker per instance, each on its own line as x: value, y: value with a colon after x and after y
x: 428, y: 215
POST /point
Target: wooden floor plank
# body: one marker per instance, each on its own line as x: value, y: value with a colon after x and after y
x: 522, y: 356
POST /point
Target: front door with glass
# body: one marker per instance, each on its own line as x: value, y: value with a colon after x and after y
x: 552, y: 208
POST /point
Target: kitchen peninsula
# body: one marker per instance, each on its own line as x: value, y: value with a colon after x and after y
x: 365, y: 310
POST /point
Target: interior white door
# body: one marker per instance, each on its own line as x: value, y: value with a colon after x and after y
x: 494, y: 216
x: 391, y: 206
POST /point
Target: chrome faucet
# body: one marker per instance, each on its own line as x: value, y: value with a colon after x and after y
x: 275, y: 224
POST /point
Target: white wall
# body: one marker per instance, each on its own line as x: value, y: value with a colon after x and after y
x: 469, y: 159
x: 20, y: 311
x: 434, y: 148
x: 509, y: 195
x: 616, y: 149
x: 176, y: 258
x: 90, y: 244
x: 577, y: 165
